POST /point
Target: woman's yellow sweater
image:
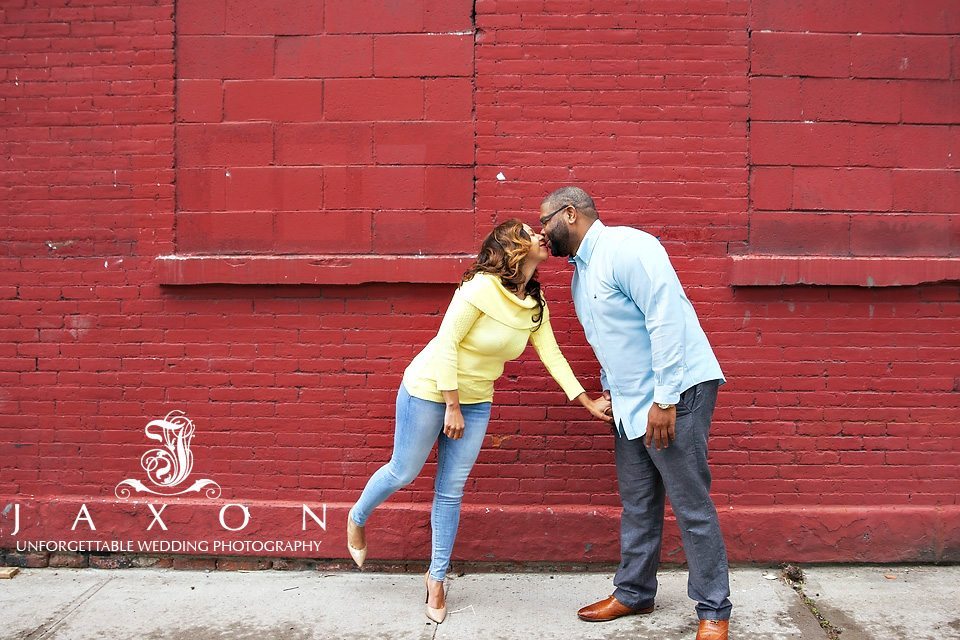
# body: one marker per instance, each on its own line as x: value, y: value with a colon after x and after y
x: 485, y: 325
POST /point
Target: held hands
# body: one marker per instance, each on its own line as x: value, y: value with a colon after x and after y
x: 661, y: 423
x: 661, y: 426
x: 453, y: 422
x: 599, y: 407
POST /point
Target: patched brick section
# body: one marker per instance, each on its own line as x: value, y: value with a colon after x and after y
x: 298, y: 119
x: 193, y: 564
x: 646, y: 108
x: 69, y: 560
x: 27, y: 560
x: 243, y: 564
x: 854, y: 116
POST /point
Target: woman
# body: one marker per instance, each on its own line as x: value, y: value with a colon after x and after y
x: 447, y: 389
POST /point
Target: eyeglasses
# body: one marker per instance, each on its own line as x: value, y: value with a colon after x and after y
x: 545, y: 221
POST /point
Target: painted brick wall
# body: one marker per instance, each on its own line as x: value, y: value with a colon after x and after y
x: 853, y: 135
x: 324, y: 128
x: 835, y: 438
x: 87, y: 191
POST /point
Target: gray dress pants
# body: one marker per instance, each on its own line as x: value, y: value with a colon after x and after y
x: 646, y: 476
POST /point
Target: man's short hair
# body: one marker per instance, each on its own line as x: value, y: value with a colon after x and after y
x: 576, y: 196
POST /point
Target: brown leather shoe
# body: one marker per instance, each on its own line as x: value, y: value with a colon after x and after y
x: 713, y: 630
x: 609, y: 609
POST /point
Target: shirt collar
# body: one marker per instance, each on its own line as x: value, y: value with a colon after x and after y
x: 588, y: 243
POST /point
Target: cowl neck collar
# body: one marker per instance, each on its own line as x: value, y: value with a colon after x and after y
x: 487, y: 293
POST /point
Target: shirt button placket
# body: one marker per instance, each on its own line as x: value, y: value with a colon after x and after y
x: 592, y: 302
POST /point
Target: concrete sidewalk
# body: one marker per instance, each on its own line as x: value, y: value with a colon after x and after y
x: 77, y: 604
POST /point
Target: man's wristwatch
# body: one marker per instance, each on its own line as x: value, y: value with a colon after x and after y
x: 665, y: 406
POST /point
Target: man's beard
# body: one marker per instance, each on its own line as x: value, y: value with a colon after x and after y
x: 559, y: 240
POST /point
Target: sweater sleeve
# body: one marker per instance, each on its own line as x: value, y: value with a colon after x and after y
x: 457, y: 322
x: 545, y: 344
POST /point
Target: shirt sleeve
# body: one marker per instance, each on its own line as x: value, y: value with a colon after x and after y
x: 457, y: 322
x: 545, y: 344
x: 652, y: 284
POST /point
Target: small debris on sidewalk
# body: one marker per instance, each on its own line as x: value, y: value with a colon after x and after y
x: 792, y: 573
x: 8, y: 572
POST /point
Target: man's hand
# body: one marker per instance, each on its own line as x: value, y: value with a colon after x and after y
x: 453, y: 422
x: 661, y: 426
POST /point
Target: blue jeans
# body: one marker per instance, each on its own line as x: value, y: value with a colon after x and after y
x: 419, y: 426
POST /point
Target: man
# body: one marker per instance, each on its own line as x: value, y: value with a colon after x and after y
x: 660, y: 373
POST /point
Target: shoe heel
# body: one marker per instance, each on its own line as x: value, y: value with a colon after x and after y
x: 358, y: 555
x: 436, y: 615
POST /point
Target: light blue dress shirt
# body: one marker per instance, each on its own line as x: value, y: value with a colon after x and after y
x: 639, y: 322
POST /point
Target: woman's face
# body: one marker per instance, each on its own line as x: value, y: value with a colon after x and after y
x: 538, y: 252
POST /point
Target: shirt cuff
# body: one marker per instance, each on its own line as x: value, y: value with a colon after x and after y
x: 666, y: 395
x: 574, y: 391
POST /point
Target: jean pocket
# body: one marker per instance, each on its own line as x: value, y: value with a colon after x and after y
x: 688, y: 399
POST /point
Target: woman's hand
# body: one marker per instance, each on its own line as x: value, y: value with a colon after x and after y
x: 453, y: 418
x: 599, y: 407
x: 453, y: 422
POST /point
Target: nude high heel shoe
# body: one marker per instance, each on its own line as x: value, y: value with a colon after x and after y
x: 358, y: 555
x: 437, y: 615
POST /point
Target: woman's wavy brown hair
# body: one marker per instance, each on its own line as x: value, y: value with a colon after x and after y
x: 501, y: 254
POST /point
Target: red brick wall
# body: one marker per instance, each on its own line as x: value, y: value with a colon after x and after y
x: 834, y: 439
x: 333, y: 128
x: 87, y: 192
x: 853, y: 134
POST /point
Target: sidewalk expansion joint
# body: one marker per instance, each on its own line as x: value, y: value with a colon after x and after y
x: 46, y: 629
x: 793, y: 576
